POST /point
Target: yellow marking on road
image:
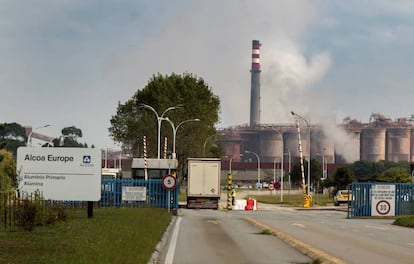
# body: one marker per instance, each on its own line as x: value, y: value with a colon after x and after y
x: 306, y: 249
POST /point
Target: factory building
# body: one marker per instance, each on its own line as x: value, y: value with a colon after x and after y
x: 379, y: 139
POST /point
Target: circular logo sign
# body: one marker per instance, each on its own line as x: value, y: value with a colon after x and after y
x: 168, y: 182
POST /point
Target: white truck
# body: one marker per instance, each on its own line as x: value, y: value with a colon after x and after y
x: 203, y: 183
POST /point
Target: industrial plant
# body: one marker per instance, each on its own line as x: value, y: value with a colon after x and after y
x: 379, y: 139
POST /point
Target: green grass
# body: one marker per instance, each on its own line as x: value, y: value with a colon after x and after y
x: 292, y: 199
x: 113, y: 235
x: 406, y: 221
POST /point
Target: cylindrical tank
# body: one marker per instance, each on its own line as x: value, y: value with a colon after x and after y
x: 232, y: 146
x: 398, y: 144
x: 290, y: 143
x: 373, y: 144
x: 271, y: 145
x: 322, y: 146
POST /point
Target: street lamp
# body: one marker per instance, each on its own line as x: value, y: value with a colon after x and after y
x: 205, y: 143
x: 159, y: 119
x: 309, y: 144
x: 290, y: 164
x: 258, y: 167
x: 175, y: 128
x: 29, y: 138
x: 323, y: 165
x: 231, y: 160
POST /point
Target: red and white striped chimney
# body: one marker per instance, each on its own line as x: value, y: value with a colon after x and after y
x: 256, y: 55
x: 255, y: 85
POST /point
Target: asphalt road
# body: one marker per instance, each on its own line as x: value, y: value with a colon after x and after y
x: 298, y: 235
x: 213, y: 236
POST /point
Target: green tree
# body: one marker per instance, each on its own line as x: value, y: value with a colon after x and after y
x: 12, y: 136
x: 379, y: 171
x: 69, y: 138
x: 343, y: 177
x: 8, y: 177
x: 395, y: 174
x: 132, y: 122
x: 315, y: 175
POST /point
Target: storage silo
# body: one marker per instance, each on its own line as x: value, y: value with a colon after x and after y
x: 290, y: 143
x: 373, y: 144
x: 398, y: 144
x: 232, y: 145
x: 322, y: 146
x: 271, y: 145
x: 412, y: 145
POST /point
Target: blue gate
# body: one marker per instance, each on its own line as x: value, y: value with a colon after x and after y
x: 115, y: 193
x: 381, y: 199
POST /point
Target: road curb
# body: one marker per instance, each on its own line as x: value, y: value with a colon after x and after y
x: 306, y: 249
x: 155, y: 257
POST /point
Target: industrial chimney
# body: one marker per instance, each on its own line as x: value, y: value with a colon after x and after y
x: 255, y: 85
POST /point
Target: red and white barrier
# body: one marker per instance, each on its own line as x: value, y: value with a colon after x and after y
x: 251, y: 204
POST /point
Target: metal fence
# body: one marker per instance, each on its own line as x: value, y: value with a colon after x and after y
x: 137, y: 193
x: 114, y: 193
x: 381, y: 199
x: 8, y: 207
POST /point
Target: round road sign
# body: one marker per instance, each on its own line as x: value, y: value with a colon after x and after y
x: 383, y: 207
x: 168, y: 182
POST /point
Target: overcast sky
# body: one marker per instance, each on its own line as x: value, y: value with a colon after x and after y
x: 70, y: 62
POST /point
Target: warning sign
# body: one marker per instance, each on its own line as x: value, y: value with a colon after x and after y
x: 134, y: 193
x: 383, y: 200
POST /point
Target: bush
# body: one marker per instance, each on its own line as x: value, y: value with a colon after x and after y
x: 31, y: 213
x: 55, y: 213
x: 26, y: 215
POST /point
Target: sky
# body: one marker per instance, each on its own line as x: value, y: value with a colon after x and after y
x: 70, y: 62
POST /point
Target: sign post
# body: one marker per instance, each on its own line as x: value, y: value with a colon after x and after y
x: 169, y: 182
x: 383, y: 200
x: 62, y: 174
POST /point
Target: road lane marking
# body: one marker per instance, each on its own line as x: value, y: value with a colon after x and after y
x: 306, y: 249
x: 171, y: 249
x: 376, y: 227
x: 300, y: 225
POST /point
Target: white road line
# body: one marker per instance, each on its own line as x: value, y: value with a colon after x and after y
x: 171, y: 249
x: 411, y: 244
x: 300, y: 225
x: 376, y: 227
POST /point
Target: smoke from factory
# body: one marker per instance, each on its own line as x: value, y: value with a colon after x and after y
x: 288, y: 84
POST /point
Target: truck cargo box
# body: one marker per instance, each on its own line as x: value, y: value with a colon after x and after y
x: 203, y: 183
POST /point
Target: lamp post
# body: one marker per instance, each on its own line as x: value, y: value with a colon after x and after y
x: 309, y: 144
x: 323, y: 163
x: 290, y: 164
x: 175, y: 128
x: 258, y: 167
x: 159, y: 119
x: 29, y: 138
x: 205, y: 142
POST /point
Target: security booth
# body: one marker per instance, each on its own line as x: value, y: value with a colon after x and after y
x: 147, y: 169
